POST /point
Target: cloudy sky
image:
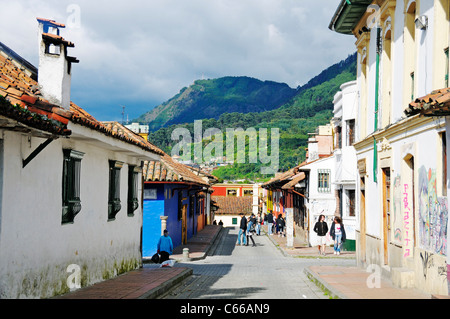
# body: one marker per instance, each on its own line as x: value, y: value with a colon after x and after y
x: 139, y: 54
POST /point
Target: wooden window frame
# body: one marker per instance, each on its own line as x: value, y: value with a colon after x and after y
x: 133, y: 183
x: 114, y: 205
x: 71, y: 180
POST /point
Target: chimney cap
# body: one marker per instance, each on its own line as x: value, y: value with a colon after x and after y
x: 53, y: 23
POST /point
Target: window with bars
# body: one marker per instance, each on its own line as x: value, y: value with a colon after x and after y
x: 338, y: 137
x: 133, y: 183
x: 324, y: 181
x: 351, y: 202
x: 350, y: 132
x: 71, y: 202
x: 114, y: 205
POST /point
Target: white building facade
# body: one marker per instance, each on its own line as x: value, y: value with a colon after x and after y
x: 345, y: 110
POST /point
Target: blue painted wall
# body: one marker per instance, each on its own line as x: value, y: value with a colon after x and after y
x: 151, y: 224
x: 165, y: 205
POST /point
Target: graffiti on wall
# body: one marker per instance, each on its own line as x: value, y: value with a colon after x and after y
x: 407, y: 220
x: 433, y: 214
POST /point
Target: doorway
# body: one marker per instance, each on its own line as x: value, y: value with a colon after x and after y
x: 386, y: 212
x: 184, y: 225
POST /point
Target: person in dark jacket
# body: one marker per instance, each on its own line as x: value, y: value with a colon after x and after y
x: 321, y: 228
x: 337, y: 233
x: 270, y: 223
x: 242, y: 230
x: 281, y: 223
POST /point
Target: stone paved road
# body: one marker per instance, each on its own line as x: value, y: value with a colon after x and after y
x: 246, y: 272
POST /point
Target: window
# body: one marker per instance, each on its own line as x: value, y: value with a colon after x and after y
x: 338, y: 137
x: 350, y: 132
x: 71, y: 202
x: 114, y: 205
x: 133, y: 202
x: 412, y: 86
x: 231, y: 192
x: 248, y: 192
x: 351, y: 202
x: 324, y: 181
x: 234, y: 221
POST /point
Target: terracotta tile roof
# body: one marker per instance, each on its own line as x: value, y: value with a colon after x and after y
x: 26, y: 105
x: 294, y: 180
x: 52, y: 22
x: 233, y: 205
x: 169, y: 170
x: 437, y: 103
x: 282, y: 177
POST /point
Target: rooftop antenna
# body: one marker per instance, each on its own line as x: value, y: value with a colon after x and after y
x: 123, y: 113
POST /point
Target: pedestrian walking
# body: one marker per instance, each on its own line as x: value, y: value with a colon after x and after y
x: 242, y: 230
x: 280, y: 225
x: 250, y: 231
x: 270, y: 223
x: 321, y: 228
x: 164, y: 246
x: 337, y: 233
x: 258, y: 224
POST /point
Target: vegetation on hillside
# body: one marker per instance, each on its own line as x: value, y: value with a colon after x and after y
x: 311, y: 107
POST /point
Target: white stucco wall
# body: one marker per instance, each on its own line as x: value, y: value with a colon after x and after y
x: 35, y: 248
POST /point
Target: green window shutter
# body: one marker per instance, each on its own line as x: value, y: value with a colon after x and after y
x: 114, y: 205
x: 71, y: 202
x: 133, y: 183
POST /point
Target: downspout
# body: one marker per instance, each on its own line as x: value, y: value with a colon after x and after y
x: 377, y: 91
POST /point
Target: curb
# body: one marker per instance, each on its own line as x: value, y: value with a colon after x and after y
x: 166, y: 286
x: 326, y: 288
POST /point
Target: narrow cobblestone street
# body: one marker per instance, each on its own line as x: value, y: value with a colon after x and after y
x: 246, y: 272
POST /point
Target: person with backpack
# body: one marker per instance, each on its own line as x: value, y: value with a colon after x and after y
x: 337, y: 233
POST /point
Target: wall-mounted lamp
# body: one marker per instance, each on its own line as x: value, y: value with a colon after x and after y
x: 421, y: 22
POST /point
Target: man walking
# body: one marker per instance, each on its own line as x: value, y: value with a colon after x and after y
x: 164, y: 246
x: 270, y: 222
x: 242, y: 230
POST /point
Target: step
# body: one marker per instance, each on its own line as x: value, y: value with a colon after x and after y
x: 402, y: 277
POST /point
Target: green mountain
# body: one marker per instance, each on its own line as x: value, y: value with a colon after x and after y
x: 211, y: 98
x: 310, y: 107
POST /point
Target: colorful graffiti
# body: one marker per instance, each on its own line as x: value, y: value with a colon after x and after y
x: 433, y: 214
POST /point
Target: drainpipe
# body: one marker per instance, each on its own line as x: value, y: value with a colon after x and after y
x: 377, y: 91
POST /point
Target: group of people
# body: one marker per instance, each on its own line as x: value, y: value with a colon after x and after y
x: 248, y: 227
x: 276, y: 226
x: 337, y: 233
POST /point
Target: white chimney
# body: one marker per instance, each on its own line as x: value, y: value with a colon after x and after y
x: 54, y: 73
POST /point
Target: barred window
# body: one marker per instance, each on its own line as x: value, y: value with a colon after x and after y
x: 133, y: 182
x: 324, y: 181
x: 71, y: 202
x: 114, y: 205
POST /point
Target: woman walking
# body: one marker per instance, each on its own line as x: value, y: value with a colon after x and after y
x: 337, y: 233
x: 321, y: 228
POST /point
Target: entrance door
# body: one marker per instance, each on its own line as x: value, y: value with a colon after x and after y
x: 184, y: 225
x: 386, y: 211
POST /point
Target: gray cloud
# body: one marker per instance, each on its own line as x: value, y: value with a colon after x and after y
x: 141, y: 53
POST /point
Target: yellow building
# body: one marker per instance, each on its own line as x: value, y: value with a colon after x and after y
x: 401, y: 192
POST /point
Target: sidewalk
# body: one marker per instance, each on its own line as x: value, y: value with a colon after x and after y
x: 344, y: 282
x: 151, y: 282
